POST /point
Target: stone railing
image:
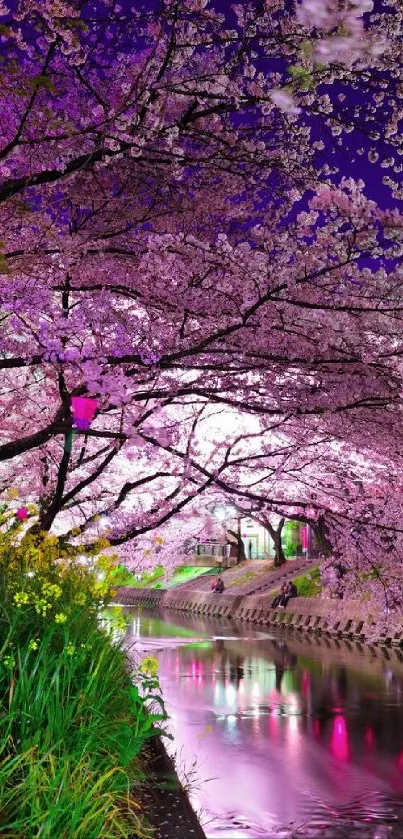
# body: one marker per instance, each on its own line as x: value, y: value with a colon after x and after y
x: 337, y: 618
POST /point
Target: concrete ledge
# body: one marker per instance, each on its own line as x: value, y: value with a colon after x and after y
x: 339, y: 618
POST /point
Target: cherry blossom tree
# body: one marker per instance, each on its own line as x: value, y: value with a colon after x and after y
x: 197, y: 348
x: 178, y: 239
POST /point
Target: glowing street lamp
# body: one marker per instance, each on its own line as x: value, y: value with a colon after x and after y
x: 83, y: 409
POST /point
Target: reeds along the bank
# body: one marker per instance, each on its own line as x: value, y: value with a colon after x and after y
x: 72, y: 724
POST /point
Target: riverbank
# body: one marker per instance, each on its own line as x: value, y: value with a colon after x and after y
x: 335, y: 618
x: 163, y: 799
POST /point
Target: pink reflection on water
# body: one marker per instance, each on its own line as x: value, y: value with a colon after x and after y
x: 305, y: 682
x: 274, y: 724
x: 259, y: 751
x: 369, y: 738
x: 339, y: 742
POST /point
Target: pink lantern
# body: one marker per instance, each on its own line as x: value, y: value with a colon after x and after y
x: 21, y: 514
x: 304, y: 536
x: 83, y: 409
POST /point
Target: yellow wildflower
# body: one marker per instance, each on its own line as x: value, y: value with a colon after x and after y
x: 149, y: 665
x: 60, y: 617
x: 52, y: 590
x: 21, y: 598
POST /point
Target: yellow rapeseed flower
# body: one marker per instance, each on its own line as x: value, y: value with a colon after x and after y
x: 60, y: 617
x: 21, y: 598
x: 149, y: 665
x: 51, y: 590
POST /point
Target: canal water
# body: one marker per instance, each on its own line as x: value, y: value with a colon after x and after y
x: 279, y: 736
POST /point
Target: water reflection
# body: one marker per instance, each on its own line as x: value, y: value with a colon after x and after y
x: 295, y: 736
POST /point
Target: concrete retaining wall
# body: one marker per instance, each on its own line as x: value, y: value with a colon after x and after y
x: 337, y: 618
x: 201, y: 603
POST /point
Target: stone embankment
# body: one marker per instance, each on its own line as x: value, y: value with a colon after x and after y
x: 337, y: 618
x: 252, y: 576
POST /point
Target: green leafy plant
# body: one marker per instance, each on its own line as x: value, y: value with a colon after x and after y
x: 73, y: 718
x: 291, y: 538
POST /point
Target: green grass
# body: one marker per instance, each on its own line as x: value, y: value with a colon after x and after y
x: 186, y: 573
x: 72, y: 725
x: 148, y: 579
x: 121, y: 576
x: 247, y: 577
x: 309, y: 584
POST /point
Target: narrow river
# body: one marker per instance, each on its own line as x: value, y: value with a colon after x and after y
x: 280, y: 736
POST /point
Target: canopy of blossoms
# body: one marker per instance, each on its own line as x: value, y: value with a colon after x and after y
x: 201, y: 233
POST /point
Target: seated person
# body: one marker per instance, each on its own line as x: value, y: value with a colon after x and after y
x: 219, y: 586
x: 278, y: 597
x: 291, y: 591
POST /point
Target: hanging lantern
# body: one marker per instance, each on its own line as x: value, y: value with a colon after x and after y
x: 21, y: 514
x: 83, y: 410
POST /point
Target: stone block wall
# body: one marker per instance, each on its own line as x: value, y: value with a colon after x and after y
x: 129, y: 596
x: 337, y: 618
x: 201, y: 603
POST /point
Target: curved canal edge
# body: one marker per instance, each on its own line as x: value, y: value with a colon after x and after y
x: 163, y: 799
x: 338, y: 618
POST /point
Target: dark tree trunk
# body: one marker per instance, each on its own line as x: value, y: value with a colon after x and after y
x: 275, y: 533
x: 323, y: 543
x: 240, y: 547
